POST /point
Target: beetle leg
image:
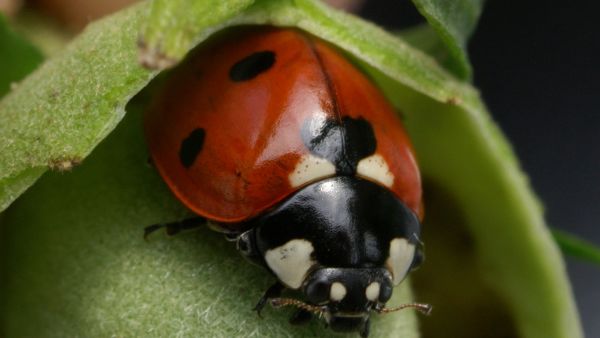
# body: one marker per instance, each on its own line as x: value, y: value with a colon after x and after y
x: 364, y: 333
x: 175, y: 227
x: 273, y: 292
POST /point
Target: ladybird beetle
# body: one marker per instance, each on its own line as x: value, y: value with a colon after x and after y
x: 277, y: 140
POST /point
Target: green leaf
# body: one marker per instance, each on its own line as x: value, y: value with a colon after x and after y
x: 501, y: 261
x: 176, y: 26
x: 423, y: 37
x: 59, y: 113
x: 576, y: 247
x: 454, y: 21
x: 17, y: 57
x: 43, y: 32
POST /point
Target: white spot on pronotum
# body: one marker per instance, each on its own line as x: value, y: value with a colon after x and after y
x: 376, y: 168
x: 291, y: 261
x: 310, y: 168
x: 337, y: 291
x: 401, y: 257
x: 372, y: 291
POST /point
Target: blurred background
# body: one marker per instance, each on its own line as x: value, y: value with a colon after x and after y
x: 536, y: 65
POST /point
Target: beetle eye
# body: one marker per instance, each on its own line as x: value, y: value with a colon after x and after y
x: 417, y: 259
x: 243, y: 244
x: 243, y: 247
x: 385, y: 292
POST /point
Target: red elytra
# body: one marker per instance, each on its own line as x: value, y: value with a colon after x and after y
x: 250, y: 139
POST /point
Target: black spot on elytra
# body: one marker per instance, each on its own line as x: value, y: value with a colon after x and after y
x: 344, y: 144
x: 191, y: 146
x: 252, y: 65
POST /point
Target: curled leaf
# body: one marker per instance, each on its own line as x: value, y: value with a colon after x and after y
x: 66, y: 107
x: 454, y: 21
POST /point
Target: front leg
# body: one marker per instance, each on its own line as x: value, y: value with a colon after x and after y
x: 364, y: 333
x: 273, y: 292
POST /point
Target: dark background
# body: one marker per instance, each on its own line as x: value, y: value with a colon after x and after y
x: 537, y: 65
